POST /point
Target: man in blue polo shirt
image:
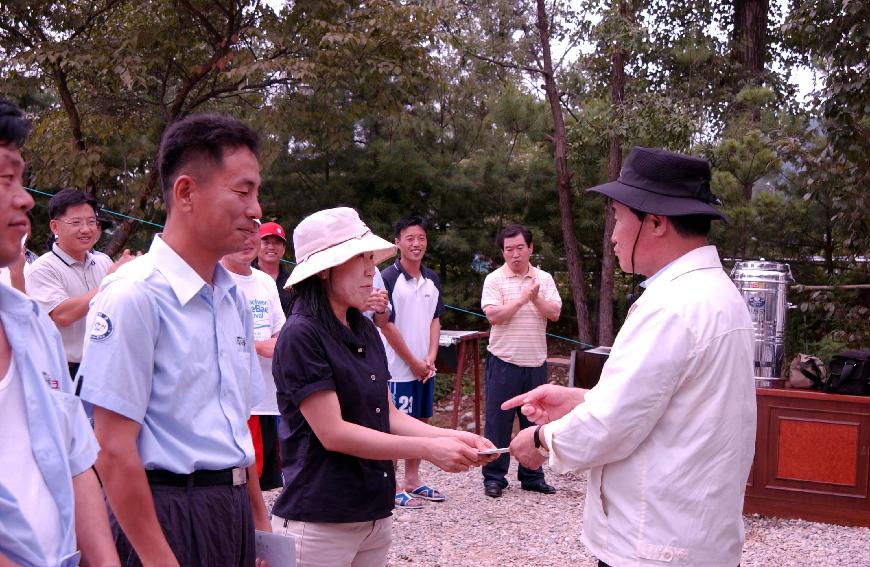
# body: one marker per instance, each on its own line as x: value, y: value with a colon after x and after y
x: 171, y: 368
x: 48, y: 491
x: 411, y: 341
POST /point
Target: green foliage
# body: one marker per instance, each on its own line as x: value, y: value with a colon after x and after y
x: 436, y: 108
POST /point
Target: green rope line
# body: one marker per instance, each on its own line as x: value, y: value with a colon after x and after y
x: 476, y: 314
x: 283, y: 261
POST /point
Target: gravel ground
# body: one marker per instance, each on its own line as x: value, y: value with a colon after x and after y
x: 529, y: 529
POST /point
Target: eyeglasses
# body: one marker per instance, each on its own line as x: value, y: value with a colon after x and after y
x: 78, y: 223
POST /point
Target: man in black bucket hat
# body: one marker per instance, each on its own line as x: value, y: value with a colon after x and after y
x: 668, y: 433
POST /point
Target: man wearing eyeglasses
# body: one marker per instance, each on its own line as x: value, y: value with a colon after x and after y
x: 65, y: 279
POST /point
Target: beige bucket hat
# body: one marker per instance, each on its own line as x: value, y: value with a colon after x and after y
x: 331, y: 237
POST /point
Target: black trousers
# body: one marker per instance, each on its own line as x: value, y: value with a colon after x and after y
x: 271, y: 475
x: 208, y: 526
x: 504, y: 381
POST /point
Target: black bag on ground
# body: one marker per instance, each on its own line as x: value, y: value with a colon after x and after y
x: 850, y: 373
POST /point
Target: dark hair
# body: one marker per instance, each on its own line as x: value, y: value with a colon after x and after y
x: 406, y: 222
x: 200, y: 137
x: 13, y: 126
x: 66, y: 198
x: 514, y: 230
x: 686, y: 225
x: 310, y: 295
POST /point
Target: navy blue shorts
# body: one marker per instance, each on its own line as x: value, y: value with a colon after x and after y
x: 414, y: 398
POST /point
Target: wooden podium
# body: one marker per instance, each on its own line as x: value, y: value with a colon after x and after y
x: 454, y: 347
x: 812, y: 457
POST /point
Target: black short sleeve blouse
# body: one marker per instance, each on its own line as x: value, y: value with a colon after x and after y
x: 321, y: 485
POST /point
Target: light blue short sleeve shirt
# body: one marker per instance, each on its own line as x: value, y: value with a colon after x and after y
x: 177, y: 355
x: 61, y: 437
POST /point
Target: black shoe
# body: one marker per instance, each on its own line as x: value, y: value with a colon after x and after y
x: 539, y: 486
x: 492, y: 489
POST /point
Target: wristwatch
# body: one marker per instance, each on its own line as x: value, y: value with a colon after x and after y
x: 537, y: 437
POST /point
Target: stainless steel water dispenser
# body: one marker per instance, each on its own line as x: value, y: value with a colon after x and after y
x: 764, y: 287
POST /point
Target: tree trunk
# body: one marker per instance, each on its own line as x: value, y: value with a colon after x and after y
x: 608, y: 259
x: 75, y: 120
x: 563, y: 183
x: 128, y: 227
x: 750, y: 37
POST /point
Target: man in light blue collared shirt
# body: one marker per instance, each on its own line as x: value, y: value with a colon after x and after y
x: 47, y: 448
x: 170, y: 364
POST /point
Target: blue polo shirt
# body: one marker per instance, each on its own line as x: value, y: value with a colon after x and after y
x: 414, y: 303
x: 175, y: 354
x: 63, y: 443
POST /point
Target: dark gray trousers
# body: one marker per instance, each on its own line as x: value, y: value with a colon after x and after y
x: 205, y: 526
x: 504, y: 381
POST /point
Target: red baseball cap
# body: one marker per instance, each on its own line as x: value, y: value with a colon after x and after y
x: 272, y: 229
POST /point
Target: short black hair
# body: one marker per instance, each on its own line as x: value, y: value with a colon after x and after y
x: 200, y: 136
x: 309, y: 297
x: 406, y: 222
x: 66, y: 198
x: 686, y: 226
x: 513, y: 230
x: 14, y: 127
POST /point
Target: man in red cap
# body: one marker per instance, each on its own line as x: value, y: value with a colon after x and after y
x: 274, y: 242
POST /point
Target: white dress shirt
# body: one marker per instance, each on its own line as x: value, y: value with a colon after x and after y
x: 669, y: 431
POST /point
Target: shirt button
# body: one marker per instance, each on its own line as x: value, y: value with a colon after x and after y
x: 373, y: 377
x: 359, y: 350
x: 377, y: 410
x: 385, y: 475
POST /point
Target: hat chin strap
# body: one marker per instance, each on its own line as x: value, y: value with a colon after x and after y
x: 632, y: 295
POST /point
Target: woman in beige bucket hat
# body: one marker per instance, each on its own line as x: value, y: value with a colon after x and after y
x: 339, y: 430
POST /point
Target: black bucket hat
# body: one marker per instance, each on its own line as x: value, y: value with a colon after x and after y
x: 663, y: 183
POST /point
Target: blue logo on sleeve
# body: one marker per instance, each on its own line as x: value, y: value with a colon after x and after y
x: 102, y: 328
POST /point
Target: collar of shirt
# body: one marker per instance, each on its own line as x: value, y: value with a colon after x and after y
x: 183, y: 279
x: 404, y: 272
x: 508, y: 273
x: 701, y: 258
x: 69, y: 260
x: 17, y: 304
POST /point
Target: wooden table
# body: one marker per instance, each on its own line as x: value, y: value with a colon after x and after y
x: 812, y: 457
x: 464, y: 343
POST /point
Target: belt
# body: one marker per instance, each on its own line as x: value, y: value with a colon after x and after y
x: 225, y: 477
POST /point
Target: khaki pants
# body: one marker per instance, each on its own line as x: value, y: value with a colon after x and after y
x: 356, y: 544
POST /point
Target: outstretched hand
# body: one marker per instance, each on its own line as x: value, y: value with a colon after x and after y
x: 478, y: 443
x: 546, y: 403
x: 451, y: 454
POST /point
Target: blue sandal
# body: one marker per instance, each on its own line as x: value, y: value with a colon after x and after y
x: 405, y: 500
x: 427, y: 493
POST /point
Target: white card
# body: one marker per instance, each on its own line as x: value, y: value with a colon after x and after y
x: 494, y: 451
x: 278, y: 550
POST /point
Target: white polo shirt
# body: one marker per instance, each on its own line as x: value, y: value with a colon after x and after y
x: 414, y: 303
x: 55, y: 277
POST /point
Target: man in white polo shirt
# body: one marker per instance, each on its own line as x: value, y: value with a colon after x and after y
x: 411, y: 341
x: 518, y: 299
x: 65, y: 279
